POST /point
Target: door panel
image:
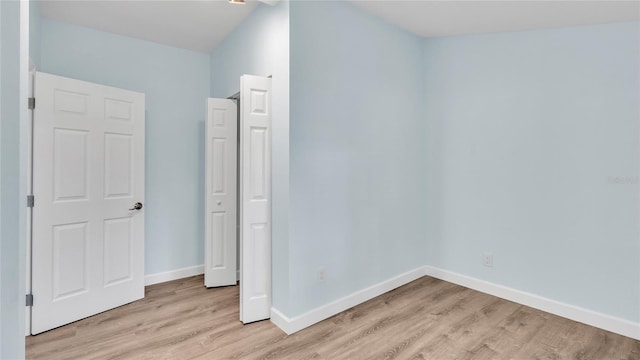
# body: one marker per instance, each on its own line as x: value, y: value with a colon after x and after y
x: 255, y: 175
x: 118, y: 154
x: 70, y: 260
x: 221, y: 189
x: 118, y: 246
x: 88, y: 171
x: 70, y: 164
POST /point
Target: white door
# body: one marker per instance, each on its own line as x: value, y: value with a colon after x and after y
x: 88, y: 174
x: 255, y: 176
x: 221, y: 133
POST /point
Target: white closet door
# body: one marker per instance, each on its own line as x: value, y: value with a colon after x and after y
x: 255, y: 175
x: 221, y: 189
x: 88, y: 175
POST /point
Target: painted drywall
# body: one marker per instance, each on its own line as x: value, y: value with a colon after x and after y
x: 518, y: 160
x: 176, y: 84
x: 13, y: 19
x: 357, y: 149
x: 2, y: 284
x: 533, y: 156
x: 260, y: 46
x: 34, y: 32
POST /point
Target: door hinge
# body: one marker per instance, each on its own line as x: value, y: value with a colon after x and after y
x: 29, y: 299
x: 30, y: 201
x: 32, y: 103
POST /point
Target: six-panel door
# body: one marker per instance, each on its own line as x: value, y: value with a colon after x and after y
x: 221, y: 134
x: 255, y: 178
x: 88, y: 172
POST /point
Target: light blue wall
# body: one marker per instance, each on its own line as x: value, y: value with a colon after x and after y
x: 34, y: 32
x: 260, y: 46
x: 176, y: 84
x: 3, y: 286
x: 533, y: 156
x: 12, y: 248
x: 520, y: 144
x: 357, y: 152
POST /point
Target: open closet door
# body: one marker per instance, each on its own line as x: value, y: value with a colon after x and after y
x: 221, y: 189
x: 255, y: 194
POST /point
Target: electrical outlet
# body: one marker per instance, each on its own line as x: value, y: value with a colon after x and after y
x: 487, y: 259
x: 322, y: 275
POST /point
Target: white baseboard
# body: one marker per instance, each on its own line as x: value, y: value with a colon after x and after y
x: 576, y: 313
x: 282, y: 321
x: 173, y: 275
x: 297, y: 323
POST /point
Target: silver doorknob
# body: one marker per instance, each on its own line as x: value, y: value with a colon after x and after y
x: 137, y: 206
x: 219, y: 202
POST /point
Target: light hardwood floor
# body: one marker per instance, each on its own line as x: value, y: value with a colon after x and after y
x: 425, y: 319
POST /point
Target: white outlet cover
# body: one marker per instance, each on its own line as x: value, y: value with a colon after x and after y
x: 487, y: 259
x: 322, y: 275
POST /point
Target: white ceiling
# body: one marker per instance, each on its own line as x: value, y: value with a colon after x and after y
x: 195, y: 25
x: 201, y: 25
x: 446, y: 18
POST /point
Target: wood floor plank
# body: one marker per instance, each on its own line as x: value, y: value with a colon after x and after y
x: 456, y: 336
x: 401, y: 319
x: 425, y: 319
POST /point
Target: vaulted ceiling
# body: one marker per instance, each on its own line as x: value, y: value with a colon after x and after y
x: 446, y: 18
x: 195, y: 25
x: 201, y: 25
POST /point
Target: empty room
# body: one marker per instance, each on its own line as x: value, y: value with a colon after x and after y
x: 272, y: 179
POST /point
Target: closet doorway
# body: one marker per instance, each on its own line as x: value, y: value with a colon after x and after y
x: 238, y: 195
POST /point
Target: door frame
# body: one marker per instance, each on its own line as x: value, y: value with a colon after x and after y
x: 29, y: 191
